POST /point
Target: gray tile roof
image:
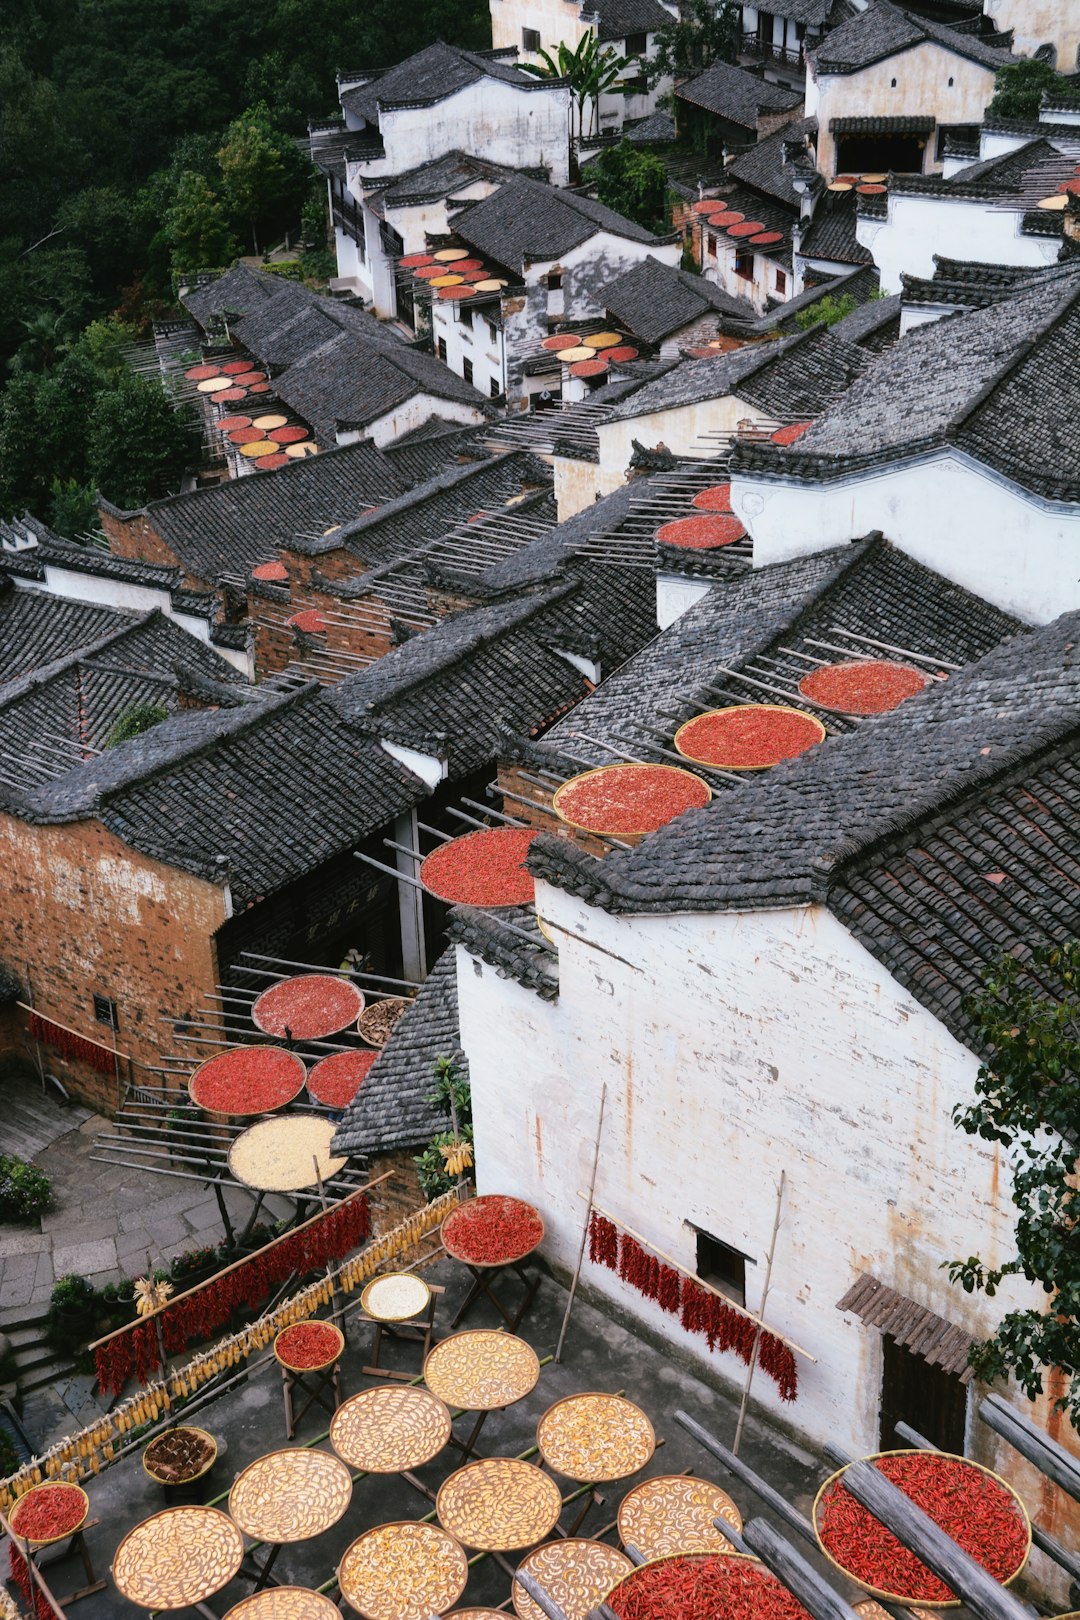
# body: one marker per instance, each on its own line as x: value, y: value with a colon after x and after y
x: 1002, y: 383
x: 392, y: 1109
x: 873, y: 324
x: 36, y: 628
x: 434, y: 180
x: 733, y: 93
x: 232, y: 527
x: 831, y: 233
x: 764, y: 167
x: 526, y: 220
x: 433, y: 448
x: 617, y: 18
x: 653, y: 300
x: 884, y: 29
x: 438, y: 71
x: 794, y: 377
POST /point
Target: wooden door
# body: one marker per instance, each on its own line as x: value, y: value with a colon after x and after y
x: 933, y: 1401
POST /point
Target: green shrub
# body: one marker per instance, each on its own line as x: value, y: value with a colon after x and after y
x: 9, y: 1457
x: 430, y: 1165
x: 191, y: 1262
x: 134, y: 720
x: 25, y: 1192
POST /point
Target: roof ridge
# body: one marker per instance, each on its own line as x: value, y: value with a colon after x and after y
x: 48, y: 672
x: 1024, y: 347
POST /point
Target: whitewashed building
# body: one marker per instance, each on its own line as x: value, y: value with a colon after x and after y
x: 1046, y: 28
x: 774, y: 984
x: 888, y: 87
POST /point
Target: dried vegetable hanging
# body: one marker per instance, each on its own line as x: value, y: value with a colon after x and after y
x: 76, y: 1048
x: 206, y: 1310
x: 699, y: 1309
x: 40, y: 1606
x: 691, y: 1586
x: 981, y: 1513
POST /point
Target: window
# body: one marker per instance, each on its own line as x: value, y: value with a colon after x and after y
x: 466, y: 370
x: 952, y: 81
x: 530, y: 39
x: 636, y: 44
x: 105, y: 1012
x: 721, y: 1266
x: 493, y: 332
x: 892, y: 83
x: 744, y: 266
x: 442, y: 350
x: 781, y: 281
x: 711, y: 244
x: 495, y: 388
x: 554, y: 280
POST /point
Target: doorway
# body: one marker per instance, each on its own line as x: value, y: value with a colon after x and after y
x: 931, y: 1400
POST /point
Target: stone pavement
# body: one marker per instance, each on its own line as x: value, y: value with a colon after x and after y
x: 106, y: 1221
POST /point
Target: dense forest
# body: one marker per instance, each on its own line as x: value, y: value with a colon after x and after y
x: 140, y: 139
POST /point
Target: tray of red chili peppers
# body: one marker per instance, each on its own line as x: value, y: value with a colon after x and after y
x: 981, y: 1513
x: 492, y: 1230
x: 700, y: 1586
x: 483, y: 868
x: 309, y: 1346
x: 49, y: 1512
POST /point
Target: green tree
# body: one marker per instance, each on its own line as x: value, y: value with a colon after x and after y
x: 453, y: 1095
x: 197, y: 227
x: 72, y: 508
x: 137, y: 446
x: 635, y: 184
x: 1018, y: 89
x: 133, y: 721
x: 1028, y: 1101
x: 263, y: 172
x: 827, y: 310
x: 592, y: 70
x: 706, y: 31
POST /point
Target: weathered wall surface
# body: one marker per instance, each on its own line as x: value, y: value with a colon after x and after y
x: 924, y: 82
x: 918, y: 228
x: 734, y: 1047
x: 681, y: 429
x: 1040, y: 22
x: 85, y: 914
x: 1017, y: 551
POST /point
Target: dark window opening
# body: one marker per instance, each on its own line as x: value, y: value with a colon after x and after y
x: 554, y: 280
x: 105, y: 1012
x: 636, y: 44
x: 493, y: 332
x: 442, y: 350
x: 711, y: 244
x: 967, y: 133
x: 530, y: 39
x: 781, y: 281
x: 870, y: 154
x: 722, y: 1266
x: 744, y: 266
x: 495, y: 389
x: 928, y: 1398
x: 637, y: 84
x: 466, y: 370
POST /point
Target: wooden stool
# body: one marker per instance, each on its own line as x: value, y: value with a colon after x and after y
x: 292, y: 1381
x: 412, y: 1317
x: 484, y: 1279
x: 76, y: 1543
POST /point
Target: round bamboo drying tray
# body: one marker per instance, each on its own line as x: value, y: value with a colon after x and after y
x: 403, y: 1571
x: 50, y: 1485
x: 290, y: 1064
x: 389, y: 1429
x: 277, y: 1155
x: 674, y: 1513
x: 813, y: 725
x: 482, y: 1370
x: 396, y: 1296
x: 290, y: 1495
x: 188, y: 1479
x: 922, y: 1604
x: 563, y: 793
x: 267, y: 1013
x: 577, y: 1574
x: 731, y: 1558
x: 466, y: 1212
x: 178, y: 1557
x: 310, y: 1367
x: 595, y: 1437
x: 499, y: 1504
x: 285, y: 1603
x: 376, y: 1023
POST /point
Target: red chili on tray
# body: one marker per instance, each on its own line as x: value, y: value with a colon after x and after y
x: 484, y: 868
x: 49, y: 1511
x: 793, y: 431
x: 702, y: 533
x: 247, y: 1080
x: 493, y: 1230
x: 715, y: 499
x: 629, y: 799
x: 703, y: 1587
x: 980, y: 1512
x: 308, y: 1345
x: 308, y: 1007
x: 870, y: 686
x: 335, y: 1081
x: 748, y: 737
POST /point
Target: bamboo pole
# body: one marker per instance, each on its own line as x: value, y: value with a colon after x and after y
x: 585, y: 1227
x: 764, y: 1301
x: 709, y: 1289
x: 235, y: 1264
x: 37, y: 1579
x: 55, y: 1022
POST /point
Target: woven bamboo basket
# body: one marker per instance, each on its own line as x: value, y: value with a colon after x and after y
x: 188, y: 1428
x: 64, y: 1534
x: 734, y: 708
x: 563, y: 791
x: 319, y: 1366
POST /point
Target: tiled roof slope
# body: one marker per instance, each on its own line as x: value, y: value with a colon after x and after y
x: 873, y: 324
x: 392, y: 1109
x: 234, y: 526
x: 433, y: 448
x: 652, y: 300
x: 763, y: 168
x: 438, y: 71
x: 526, y: 220
x: 439, y: 177
x: 796, y: 376
x: 617, y: 18
x: 831, y: 233
x: 733, y: 93
x: 884, y: 29
x: 867, y: 588
x: 790, y: 839
x: 37, y: 628
x: 1002, y: 383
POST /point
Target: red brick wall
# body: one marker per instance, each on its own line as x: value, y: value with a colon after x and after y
x: 392, y: 1200
x: 87, y: 914
x: 137, y: 538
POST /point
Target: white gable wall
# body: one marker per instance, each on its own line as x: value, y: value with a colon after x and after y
x: 917, y: 228
x: 491, y: 119
x: 949, y: 512
x: 734, y: 1047
x: 682, y: 428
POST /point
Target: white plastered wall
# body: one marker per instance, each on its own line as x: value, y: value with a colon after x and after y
x: 917, y: 228
x: 922, y: 89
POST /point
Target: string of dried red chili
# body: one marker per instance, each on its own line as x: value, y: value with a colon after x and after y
x: 73, y: 1047
x: 970, y: 1505
x: 703, y: 1588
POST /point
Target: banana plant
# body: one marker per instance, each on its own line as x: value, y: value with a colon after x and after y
x: 590, y: 69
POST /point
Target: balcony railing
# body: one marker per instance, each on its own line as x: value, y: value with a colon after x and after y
x: 766, y: 51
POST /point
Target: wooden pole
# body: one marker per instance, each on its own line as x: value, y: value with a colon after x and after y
x: 709, y: 1289
x: 764, y: 1301
x: 544, y: 1603
x: 585, y: 1228
x: 792, y: 1571
x: 772, y: 1499
x: 1037, y: 1448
